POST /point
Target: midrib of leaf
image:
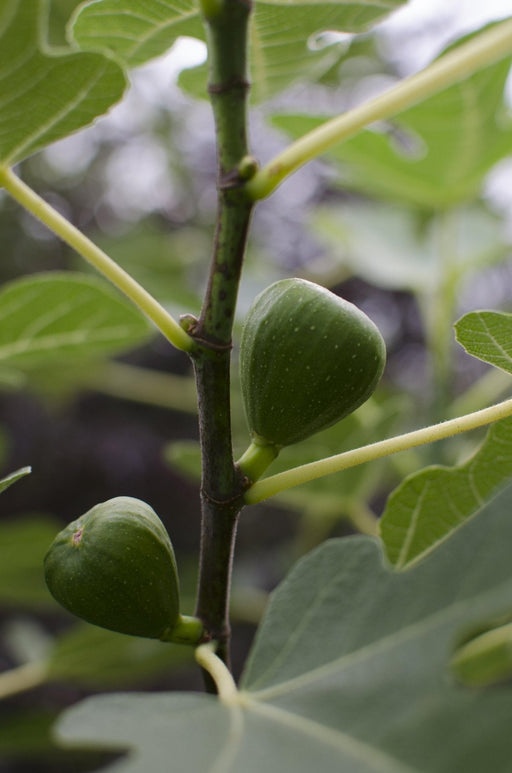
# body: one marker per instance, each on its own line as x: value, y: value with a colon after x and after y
x: 155, y: 28
x: 412, y: 529
x: 26, y: 337
x: 349, y: 745
x: 479, y: 499
x: 257, y: 58
x: 448, y: 504
x: 61, y: 114
x: 62, y: 339
x: 7, y: 310
x: 471, y: 129
x: 166, y: 25
x: 499, y: 346
x: 44, y: 320
x: 411, y: 631
x: 228, y: 752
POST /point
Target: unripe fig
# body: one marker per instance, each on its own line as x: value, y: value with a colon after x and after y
x: 115, y: 567
x: 307, y: 359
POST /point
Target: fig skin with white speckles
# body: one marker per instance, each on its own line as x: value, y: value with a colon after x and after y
x: 308, y: 358
x: 115, y: 568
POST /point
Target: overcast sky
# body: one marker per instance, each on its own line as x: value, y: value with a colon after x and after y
x: 469, y: 13
x: 441, y: 21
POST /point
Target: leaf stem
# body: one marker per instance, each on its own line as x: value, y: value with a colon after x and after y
x: 25, y: 196
x: 274, y: 484
x: 23, y: 678
x: 224, y: 682
x: 486, y: 49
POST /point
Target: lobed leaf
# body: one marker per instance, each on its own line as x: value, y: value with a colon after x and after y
x: 64, y: 316
x: 138, y: 30
x: 349, y: 672
x: 488, y: 336
x: 430, y: 505
x: 46, y: 94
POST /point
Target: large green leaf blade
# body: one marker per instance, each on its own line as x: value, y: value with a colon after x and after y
x: 46, y: 94
x: 430, y: 505
x: 434, y: 154
x: 64, y: 316
x: 138, y: 30
x: 349, y: 672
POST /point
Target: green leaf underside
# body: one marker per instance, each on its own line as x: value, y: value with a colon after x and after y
x: 349, y: 672
x: 428, y: 506
x: 434, y: 154
x: 138, y: 30
x: 59, y: 316
x: 46, y: 94
x: 13, y: 477
x: 488, y: 336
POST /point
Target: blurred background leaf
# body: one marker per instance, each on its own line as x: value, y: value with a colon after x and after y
x: 433, y: 155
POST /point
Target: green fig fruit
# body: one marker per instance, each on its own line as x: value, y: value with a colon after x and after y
x: 115, y: 567
x: 307, y: 359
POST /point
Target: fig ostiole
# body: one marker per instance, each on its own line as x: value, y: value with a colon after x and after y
x: 115, y: 567
x: 308, y: 358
